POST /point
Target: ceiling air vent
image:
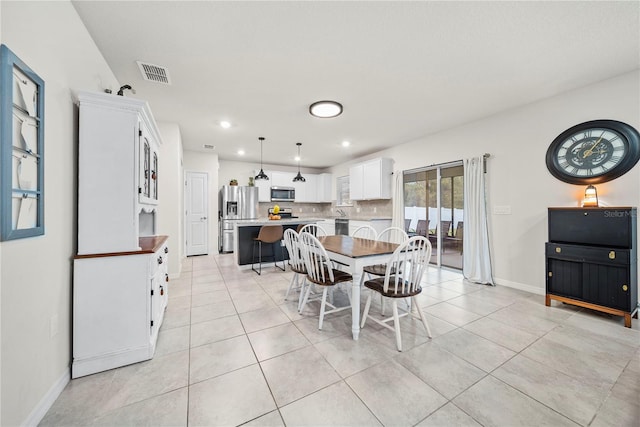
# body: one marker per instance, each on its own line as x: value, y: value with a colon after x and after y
x: 209, y: 146
x: 154, y: 73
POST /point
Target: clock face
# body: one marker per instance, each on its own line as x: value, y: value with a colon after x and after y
x: 593, y: 152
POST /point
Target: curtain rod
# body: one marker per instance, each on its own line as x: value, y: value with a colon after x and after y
x: 485, y: 156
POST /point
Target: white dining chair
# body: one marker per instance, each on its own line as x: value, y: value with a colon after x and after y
x: 320, y: 272
x: 296, y: 262
x: 391, y: 235
x: 401, y: 281
x: 365, y: 232
x: 313, y: 229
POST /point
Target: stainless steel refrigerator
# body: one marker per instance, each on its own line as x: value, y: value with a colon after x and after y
x: 234, y: 202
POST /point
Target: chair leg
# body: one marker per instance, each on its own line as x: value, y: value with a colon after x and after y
x: 306, y: 298
x: 366, y: 310
x: 422, y: 316
x: 303, y: 286
x: 275, y: 261
x: 322, y: 307
x: 292, y: 284
x: 253, y: 257
x: 396, y: 324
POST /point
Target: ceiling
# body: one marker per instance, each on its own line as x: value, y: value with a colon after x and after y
x: 402, y: 70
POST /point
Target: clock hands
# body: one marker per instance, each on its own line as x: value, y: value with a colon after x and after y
x: 589, y: 152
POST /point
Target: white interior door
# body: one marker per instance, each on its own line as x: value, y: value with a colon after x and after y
x: 197, y: 214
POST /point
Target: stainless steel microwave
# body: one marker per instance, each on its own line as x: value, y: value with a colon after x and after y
x: 283, y: 194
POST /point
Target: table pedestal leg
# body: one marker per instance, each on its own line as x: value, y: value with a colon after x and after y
x: 355, y: 304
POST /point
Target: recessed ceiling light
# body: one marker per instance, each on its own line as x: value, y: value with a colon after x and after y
x: 346, y: 143
x: 325, y: 109
x: 296, y: 158
x: 225, y: 124
x: 240, y: 152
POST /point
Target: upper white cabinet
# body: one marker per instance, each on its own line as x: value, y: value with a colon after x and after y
x: 324, y: 188
x: 117, y: 173
x: 282, y: 179
x: 264, y: 187
x: 316, y: 188
x: 371, y: 179
x: 307, y: 192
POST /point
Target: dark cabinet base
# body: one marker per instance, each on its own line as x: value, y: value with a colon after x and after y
x: 613, y: 311
x: 591, y: 259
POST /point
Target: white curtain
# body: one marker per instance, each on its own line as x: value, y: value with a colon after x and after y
x: 398, y: 201
x: 476, y: 257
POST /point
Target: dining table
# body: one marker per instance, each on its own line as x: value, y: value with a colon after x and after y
x: 356, y: 253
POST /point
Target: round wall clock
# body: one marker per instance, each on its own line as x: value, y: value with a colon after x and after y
x: 594, y: 152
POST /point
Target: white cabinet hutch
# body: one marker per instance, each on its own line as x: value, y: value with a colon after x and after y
x: 120, y: 272
x: 371, y: 180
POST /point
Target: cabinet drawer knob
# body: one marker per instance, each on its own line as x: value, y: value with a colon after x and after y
x: 612, y: 255
x: 166, y: 277
x: 166, y: 250
x: 625, y: 288
x: 558, y: 250
x: 159, y: 260
x: 161, y: 290
x: 551, y: 274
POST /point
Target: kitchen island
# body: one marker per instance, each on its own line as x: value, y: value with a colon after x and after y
x: 247, y: 230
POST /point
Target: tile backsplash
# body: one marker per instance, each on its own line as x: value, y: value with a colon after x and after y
x: 364, y: 209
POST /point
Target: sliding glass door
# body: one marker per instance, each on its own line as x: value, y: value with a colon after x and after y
x: 434, y: 208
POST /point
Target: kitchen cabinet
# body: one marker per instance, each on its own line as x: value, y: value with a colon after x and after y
x: 117, y: 173
x: 316, y: 188
x: 371, y: 180
x: 118, y: 306
x: 591, y: 259
x: 282, y: 179
x: 264, y: 186
x: 324, y: 188
x: 307, y: 192
x: 329, y: 226
x: 120, y: 285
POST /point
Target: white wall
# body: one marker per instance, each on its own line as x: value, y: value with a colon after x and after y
x: 204, y: 162
x: 36, y: 273
x: 517, y: 174
x: 171, y: 187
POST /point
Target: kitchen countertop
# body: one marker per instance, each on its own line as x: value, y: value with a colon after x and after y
x: 266, y: 221
x: 363, y: 218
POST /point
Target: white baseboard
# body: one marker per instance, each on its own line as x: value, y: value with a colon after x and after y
x: 520, y: 286
x: 48, y: 399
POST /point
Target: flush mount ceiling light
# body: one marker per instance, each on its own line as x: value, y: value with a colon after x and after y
x: 325, y: 109
x: 299, y: 178
x: 240, y: 152
x: 346, y: 143
x: 261, y: 174
x: 225, y: 124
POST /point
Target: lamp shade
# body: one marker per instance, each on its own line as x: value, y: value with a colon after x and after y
x: 261, y: 174
x: 590, y: 197
x: 299, y: 177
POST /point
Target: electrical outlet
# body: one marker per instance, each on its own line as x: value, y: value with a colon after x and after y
x: 314, y: 209
x: 502, y: 210
x: 300, y: 210
x: 375, y: 209
x: 358, y: 210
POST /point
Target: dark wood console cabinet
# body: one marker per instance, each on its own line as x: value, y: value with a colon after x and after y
x: 591, y: 259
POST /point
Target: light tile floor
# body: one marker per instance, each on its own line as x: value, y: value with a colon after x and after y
x: 232, y: 351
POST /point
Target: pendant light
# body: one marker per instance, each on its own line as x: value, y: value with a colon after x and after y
x: 299, y: 178
x: 261, y: 174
